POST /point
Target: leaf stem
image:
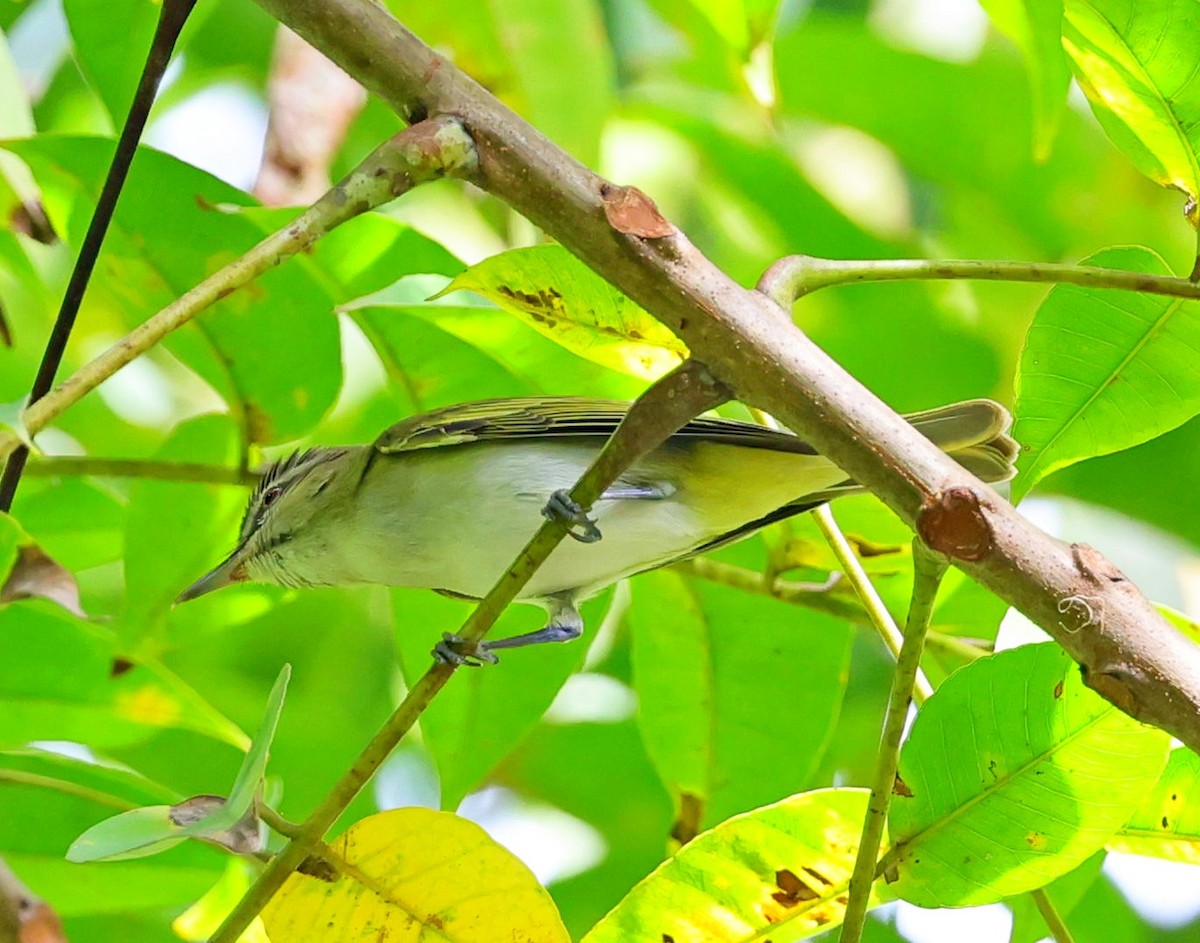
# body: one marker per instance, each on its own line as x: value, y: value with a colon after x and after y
x: 426, y: 151
x: 928, y: 569
x: 675, y: 399
x: 1054, y: 921
x: 884, y: 624
x: 795, y: 276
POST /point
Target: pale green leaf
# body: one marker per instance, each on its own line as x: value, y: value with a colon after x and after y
x: 1139, y: 64
x: 133, y: 834
x: 779, y: 873
x: 551, y: 290
x: 1013, y: 775
x: 1103, y: 370
x: 1167, y: 823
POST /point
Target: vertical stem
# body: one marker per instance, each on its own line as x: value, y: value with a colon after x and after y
x: 171, y: 18
x: 928, y: 568
x: 871, y: 600
x: 1054, y: 920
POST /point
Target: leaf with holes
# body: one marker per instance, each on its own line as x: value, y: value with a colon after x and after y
x: 1139, y: 65
x: 415, y: 873
x: 1014, y: 774
x: 1103, y: 370
x: 779, y: 873
x: 553, y: 291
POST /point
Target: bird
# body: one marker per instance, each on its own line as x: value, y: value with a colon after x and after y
x: 446, y: 500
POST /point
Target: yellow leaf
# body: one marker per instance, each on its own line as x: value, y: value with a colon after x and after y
x: 415, y: 874
x: 559, y: 296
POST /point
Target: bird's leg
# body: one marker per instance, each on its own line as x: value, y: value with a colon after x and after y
x: 565, y: 625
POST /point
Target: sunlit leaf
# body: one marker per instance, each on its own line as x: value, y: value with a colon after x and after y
x: 1103, y: 371
x: 1167, y: 823
x: 1139, y: 65
x: 556, y: 293
x: 991, y: 803
x: 413, y: 872
x: 778, y: 873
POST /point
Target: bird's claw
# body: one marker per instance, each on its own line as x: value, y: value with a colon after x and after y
x: 456, y: 650
x: 561, y: 507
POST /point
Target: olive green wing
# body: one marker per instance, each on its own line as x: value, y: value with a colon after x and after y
x: 555, y: 417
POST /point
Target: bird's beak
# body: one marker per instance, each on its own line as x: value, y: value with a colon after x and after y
x: 231, y: 571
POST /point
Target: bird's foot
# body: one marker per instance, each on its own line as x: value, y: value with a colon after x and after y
x: 456, y: 650
x: 561, y: 507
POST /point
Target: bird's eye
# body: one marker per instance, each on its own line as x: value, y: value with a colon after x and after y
x: 270, y: 496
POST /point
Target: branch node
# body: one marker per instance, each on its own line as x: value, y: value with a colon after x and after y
x: 953, y: 523
x: 629, y: 211
x: 1117, y: 684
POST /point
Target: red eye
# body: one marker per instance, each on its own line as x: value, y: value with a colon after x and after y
x: 270, y: 495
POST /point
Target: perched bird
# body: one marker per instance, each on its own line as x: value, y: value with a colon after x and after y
x: 446, y: 500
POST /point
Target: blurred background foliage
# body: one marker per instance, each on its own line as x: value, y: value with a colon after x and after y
x: 845, y: 128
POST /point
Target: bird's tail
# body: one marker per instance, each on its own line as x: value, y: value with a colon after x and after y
x: 974, y: 433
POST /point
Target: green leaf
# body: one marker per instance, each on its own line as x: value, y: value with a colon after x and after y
x: 779, y: 872
x: 522, y: 49
x: 12, y: 420
x: 475, y: 722
x: 555, y: 293
x: 192, y: 520
x: 1036, y: 28
x: 1139, y: 65
x: 133, y: 834
x: 1167, y: 823
x: 272, y: 349
x: 1013, y: 775
x: 712, y: 705
x: 1103, y: 371
x: 111, y: 40
x: 254, y: 768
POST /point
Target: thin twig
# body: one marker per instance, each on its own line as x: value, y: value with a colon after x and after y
x: 661, y: 410
x: 70, y: 465
x: 1054, y: 920
x: 277, y: 823
x: 881, y: 619
x: 928, y: 568
x: 171, y: 17
x: 798, y: 275
x: 426, y: 151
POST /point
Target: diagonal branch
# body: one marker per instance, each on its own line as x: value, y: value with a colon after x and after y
x: 666, y: 406
x: 1128, y: 652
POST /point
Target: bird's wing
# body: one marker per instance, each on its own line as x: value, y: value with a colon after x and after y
x: 555, y: 417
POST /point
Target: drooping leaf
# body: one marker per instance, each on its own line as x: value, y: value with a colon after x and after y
x: 1167, y: 823
x: 1036, y: 27
x: 1139, y: 65
x: 720, y: 676
x: 554, y: 292
x: 1013, y: 775
x: 779, y: 873
x: 409, y: 873
x: 1103, y: 371
x: 133, y: 834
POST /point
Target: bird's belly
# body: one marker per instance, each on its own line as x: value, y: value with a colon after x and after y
x: 476, y: 512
